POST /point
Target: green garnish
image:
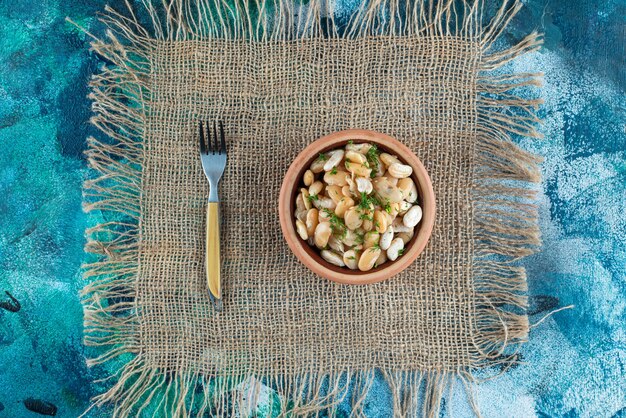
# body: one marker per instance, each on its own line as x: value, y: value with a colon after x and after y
x: 351, y: 257
x: 376, y: 224
x: 360, y: 238
x: 336, y: 223
x: 372, y: 159
x: 388, y: 208
x: 400, y: 252
x: 313, y: 197
x: 351, y: 142
x: 365, y: 217
x: 322, y: 156
x: 334, y: 170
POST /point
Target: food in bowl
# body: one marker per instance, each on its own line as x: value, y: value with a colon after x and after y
x: 358, y: 206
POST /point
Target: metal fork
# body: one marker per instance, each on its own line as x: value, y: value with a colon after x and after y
x: 213, y: 157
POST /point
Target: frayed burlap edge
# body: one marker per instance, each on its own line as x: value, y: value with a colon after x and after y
x: 504, y: 219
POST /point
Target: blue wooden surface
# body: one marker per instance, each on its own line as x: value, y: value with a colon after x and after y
x: 575, y: 361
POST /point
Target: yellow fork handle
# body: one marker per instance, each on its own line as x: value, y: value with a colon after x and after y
x: 213, y: 252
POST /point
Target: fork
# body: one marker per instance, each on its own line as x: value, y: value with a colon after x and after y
x: 213, y: 157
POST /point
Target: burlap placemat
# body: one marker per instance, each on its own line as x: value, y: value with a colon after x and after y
x: 280, y: 75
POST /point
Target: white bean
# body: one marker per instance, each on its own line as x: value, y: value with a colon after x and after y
x: 398, y: 226
x: 316, y: 188
x: 322, y: 234
x: 308, y: 178
x: 360, y: 148
x: 312, y: 219
x: 386, y: 238
x: 382, y: 258
x: 412, y: 217
x: 333, y: 258
x: 305, y: 198
x: 388, y: 159
x: 352, y: 218
x: 368, y: 258
x: 409, y: 189
x: 334, y: 158
x: 364, y: 185
x: 324, y: 203
x: 301, y: 228
x: 405, y: 236
x: 355, y: 157
x: 404, y: 206
x: 400, y: 171
x: 351, y: 259
x: 393, y: 252
x: 371, y: 239
x: 336, y: 244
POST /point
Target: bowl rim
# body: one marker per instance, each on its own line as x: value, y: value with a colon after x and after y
x: 308, y: 255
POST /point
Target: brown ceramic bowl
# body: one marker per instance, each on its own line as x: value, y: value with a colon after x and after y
x: 310, y: 256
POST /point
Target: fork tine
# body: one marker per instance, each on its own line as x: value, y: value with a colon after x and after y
x: 208, y: 138
x: 223, y: 140
x: 217, y: 145
x: 202, y: 143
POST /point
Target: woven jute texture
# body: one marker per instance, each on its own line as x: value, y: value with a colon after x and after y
x: 458, y: 307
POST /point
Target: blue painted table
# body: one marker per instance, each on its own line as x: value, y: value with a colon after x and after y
x: 575, y: 361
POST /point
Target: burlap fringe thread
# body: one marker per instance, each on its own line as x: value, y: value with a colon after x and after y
x: 505, y: 222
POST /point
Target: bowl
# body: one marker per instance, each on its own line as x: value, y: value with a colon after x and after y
x: 308, y: 255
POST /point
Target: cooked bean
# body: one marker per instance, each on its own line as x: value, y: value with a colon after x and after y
x: 334, y: 158
x: 343, y: 205
x: 305, y: 198
x: 308, y: 178
x: 312, y: 219
x: 388, y: 159
x: 334, y: 192
x: 399, y: 170
x: 335, y: 244
x: 360, y: 148
x: 300, y: 203
x: 332, y: 258
x: 351, y: 259
x: 412, y: 217
x: 398, y: 226
x: 394, y: 209
x: 364, y: 185
x: 337, y: 179
x: 379, y: 167
x: 356, y: 157
x: 380, y: 221
x: 368, y: 223
x: 318, y: 165
x: 404, y: 206
x: 391, y: 180
x: 358, y: 169
x: 301, y: 228
x: 370, y: 239
x: 352, y: 218
x: 301, y: 215
x: 316, y: 188
x: 322, y: 234
x: 386, y: 190
x: 324, y: 203
x: 350, y: 238
x: 345, y: 190
x: 368, y: 258
x: 408, y: 188
x: 406, y: 236
x: 324, y: 215
x: 394, y: 250
x: 386, y: 238
x: 382, y: 259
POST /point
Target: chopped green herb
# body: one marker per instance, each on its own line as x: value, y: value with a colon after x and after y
x: 366, y: 217
x: 372, y: 159
x: 350, y: 142
x: 360, y: 238
x: 400, y: 252
x: 322, y: 156
x: 352, y: 257
x: 376, y: 224
x: 313, y: 197
x: 334, y: 170
x: 388, y: 208
x: 336, y: 223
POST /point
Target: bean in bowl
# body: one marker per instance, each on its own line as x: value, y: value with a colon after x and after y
x: 358, y: 206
